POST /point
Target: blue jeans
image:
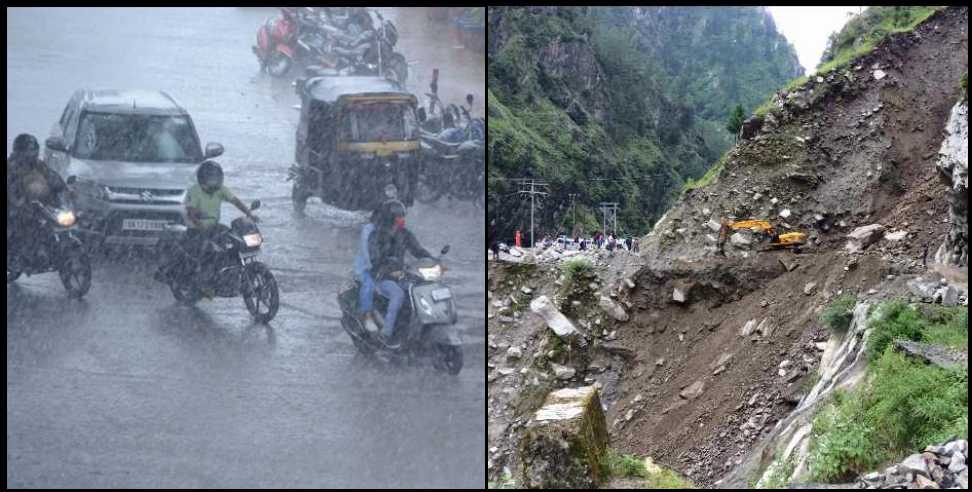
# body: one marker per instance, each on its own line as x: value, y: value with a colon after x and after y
x: 367, y: 293
x: 395, y: 296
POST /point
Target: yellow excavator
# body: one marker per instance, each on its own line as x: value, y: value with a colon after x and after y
x: 764, y: 229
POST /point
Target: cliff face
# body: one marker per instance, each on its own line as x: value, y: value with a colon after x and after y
x: 617, y: 104
x: 953, y: 164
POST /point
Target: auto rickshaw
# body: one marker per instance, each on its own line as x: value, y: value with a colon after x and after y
x: 357, y: 142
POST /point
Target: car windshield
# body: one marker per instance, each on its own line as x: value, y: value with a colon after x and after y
x: 376, y: 122
x: 137, y: 138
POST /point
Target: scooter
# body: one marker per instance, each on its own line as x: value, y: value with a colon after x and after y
x: 425, y: 325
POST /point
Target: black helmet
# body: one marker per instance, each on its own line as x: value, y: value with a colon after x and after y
x: 390, y: 210
x: 209, y: 176
x: 25, y: 148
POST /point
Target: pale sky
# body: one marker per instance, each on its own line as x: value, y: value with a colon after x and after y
x: 808, y: 27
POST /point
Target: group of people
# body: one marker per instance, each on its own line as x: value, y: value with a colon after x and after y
x: 379, y: 263
x: 598, y: 241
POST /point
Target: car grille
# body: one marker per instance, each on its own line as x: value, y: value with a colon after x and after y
x: 145, y: 196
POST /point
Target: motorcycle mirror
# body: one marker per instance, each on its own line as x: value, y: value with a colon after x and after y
x: 469, y: 100
x: 72, y: 179
x: 445, y: 250
x: 255, y: 205
x: 422, y: 116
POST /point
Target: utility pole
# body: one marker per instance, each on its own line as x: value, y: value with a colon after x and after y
x: 533, y: 192
x: 573, y: 212
x: 613, y: 208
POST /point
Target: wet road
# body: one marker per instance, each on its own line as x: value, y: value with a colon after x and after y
x: 125, y: 388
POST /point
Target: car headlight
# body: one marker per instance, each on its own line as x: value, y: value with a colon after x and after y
x: 65, y: 218
x: 253, y: 240
x: 431, y: 273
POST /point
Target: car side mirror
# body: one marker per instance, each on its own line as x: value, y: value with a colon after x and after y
x: 422, y: 116
x: 255, y: 205
x: 56, y: 143
x: 213, y: 150
x: 72, y: 179
x: 445, y: 250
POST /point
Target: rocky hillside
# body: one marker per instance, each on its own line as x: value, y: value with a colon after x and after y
x: 592, y: 101
x: 717, y: 366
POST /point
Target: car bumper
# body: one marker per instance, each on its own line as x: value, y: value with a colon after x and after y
x: 107, y: 219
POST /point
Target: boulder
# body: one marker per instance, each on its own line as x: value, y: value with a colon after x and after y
x: 915, y: 464
x: 612, y: 308
x: 935, y: 354
x: 750, y: 127
x: 785, y: 213
x: 679, y: 295
x: 514, y: 353
x: 862, y: 237
x: 713, y: 225
x: 748, y: 328
x: 896, y: 236
x: 693, y: 391
x: 554, y: 318
x: 741, y: 239
x: 562, y: 372
x: 923, y: 287
x: 809, y: 288
x: 564, y: 445
x: 879, y: 74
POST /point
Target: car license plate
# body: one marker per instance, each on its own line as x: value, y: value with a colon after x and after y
x: 143, y: 225
x: 441, y: 294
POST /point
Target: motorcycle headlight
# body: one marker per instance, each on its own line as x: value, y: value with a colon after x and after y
x: 431, y: 274
x: 253, y: 240
x: 372, y: 66
x: 65, y: 218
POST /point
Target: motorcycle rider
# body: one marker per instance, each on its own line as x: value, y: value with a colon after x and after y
x: 386, y: 250
x: 203, y: 202
x: 28, y: 179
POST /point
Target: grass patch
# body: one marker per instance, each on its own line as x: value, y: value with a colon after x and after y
x: 861, y: 34
x: 707, y: 178
x: 778, y: 479
x: 904, y: 404
x: 576, y: 270
x: 839, y: 314
x: 626, y: 465
x: 896, y: 319
x: 506, y: 482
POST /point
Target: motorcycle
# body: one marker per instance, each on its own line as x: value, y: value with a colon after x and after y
x: 425, y: 325
x: 454, y: 164
x: 230, y: 269
x: 59, y: 251
x: 276, y: 40
x: 366, y: 52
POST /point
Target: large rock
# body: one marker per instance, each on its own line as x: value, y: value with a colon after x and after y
x: 612, y: 308
x: 562, y: 372
x: 953, y: 166
x: 939, y: 355
x: 564, y: 444
x: 554, y: 318
x: 693, y: 391
x: 741, y: 239
x: 750, y: 127
x: 862, y: 237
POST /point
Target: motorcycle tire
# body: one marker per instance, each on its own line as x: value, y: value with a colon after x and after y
x: 397, y: 69
x: 75, y: 273
x: 266, y: 291
x: 279, y: 64
x: 185, y: 293
x: 299, y: 197
x: 12, y: 275
x: 448, y: 358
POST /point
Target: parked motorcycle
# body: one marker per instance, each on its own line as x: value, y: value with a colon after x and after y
x: 230, y: 268
x: 454, y: 163
x: 276, y: 43
x: 425, y: 326
x: 366, y: 52
x: 59, y: 250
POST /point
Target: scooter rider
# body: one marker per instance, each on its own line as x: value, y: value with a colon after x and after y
x: 386, y: 249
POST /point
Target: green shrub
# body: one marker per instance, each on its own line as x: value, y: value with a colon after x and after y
x: 892, y: 320
x: 903, y: 405
x: 778, y: 479
x: 626, y: 465
x: 575, y: 270
x: 839, y: 314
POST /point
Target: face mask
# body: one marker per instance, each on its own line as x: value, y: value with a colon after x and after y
x: 399, y: 223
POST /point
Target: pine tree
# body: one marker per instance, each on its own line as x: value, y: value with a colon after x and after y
x: 736, y: 120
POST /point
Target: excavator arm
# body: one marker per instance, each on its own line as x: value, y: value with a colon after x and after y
x: 762, y: 227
